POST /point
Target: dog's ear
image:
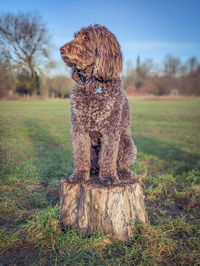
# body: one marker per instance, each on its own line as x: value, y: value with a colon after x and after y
x: 108, y: 63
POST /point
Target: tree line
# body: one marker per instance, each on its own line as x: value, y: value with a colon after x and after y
x: 25, y: 53
x: 172, y: 75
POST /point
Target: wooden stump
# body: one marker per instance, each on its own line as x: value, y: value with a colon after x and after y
x: 91, y: 207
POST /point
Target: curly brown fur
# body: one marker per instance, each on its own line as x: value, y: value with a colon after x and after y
x: 100, y: 113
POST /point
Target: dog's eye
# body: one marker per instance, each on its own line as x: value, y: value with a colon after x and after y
x: 86, y: 38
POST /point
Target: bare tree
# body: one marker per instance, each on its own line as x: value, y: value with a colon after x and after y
x: 129, y: 75
x: 24, y: 40
x: 171, y: 66
x: 139, y: 75
x: 146, y: 68
x: 192, y: 64
x: 183, y: 71
x: 7, y: 83
x: 143, y: 71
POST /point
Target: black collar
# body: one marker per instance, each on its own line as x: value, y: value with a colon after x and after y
x: 81, y: 79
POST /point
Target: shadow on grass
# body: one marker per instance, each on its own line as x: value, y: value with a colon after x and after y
x: 53, y: 160
x: 171, y: 154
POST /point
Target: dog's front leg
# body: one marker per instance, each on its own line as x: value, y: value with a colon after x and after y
x: 108, y: 158
x: 81, y: 142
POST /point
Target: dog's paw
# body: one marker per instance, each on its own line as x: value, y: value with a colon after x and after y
x: 109, y: 179
x: 124, y: 174
x: 78, y: 177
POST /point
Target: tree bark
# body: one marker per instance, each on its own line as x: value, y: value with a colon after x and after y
x: 91, y: 207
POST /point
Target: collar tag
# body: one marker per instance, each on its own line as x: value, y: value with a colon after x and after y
x: 98, y: 90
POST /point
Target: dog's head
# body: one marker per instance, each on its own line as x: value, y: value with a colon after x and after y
x: 94, y: 48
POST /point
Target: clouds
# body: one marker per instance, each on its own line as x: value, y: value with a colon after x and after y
x: 157, y: 50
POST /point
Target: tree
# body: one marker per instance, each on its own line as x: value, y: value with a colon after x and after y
x: 192, y: 64
x: 143, y: 71
x: 24, y: 40
x: 56, y: 87
x: 7, y: 83
x: 171, y: 66
x: 129, y: 75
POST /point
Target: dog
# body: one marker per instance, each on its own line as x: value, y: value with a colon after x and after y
x: 100, y: 113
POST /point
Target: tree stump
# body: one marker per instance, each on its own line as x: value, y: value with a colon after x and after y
x: 91, y: 207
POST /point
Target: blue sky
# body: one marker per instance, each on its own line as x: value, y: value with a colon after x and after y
x: 149, y: 28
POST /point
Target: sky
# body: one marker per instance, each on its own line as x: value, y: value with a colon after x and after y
x: 149, y: 28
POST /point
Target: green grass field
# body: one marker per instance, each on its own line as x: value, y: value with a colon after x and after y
x: 36, y: 152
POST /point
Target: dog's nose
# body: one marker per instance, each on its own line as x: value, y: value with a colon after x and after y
x: 62, y: 49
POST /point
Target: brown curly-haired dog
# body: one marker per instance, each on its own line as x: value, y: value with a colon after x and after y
x: 100, y: 113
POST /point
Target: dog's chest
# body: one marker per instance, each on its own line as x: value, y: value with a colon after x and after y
x: 91, y: 109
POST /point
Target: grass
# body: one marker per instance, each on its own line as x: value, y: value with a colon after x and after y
x: 36, y: 152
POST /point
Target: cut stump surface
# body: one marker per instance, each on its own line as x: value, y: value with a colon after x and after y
x: 91, y: 207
